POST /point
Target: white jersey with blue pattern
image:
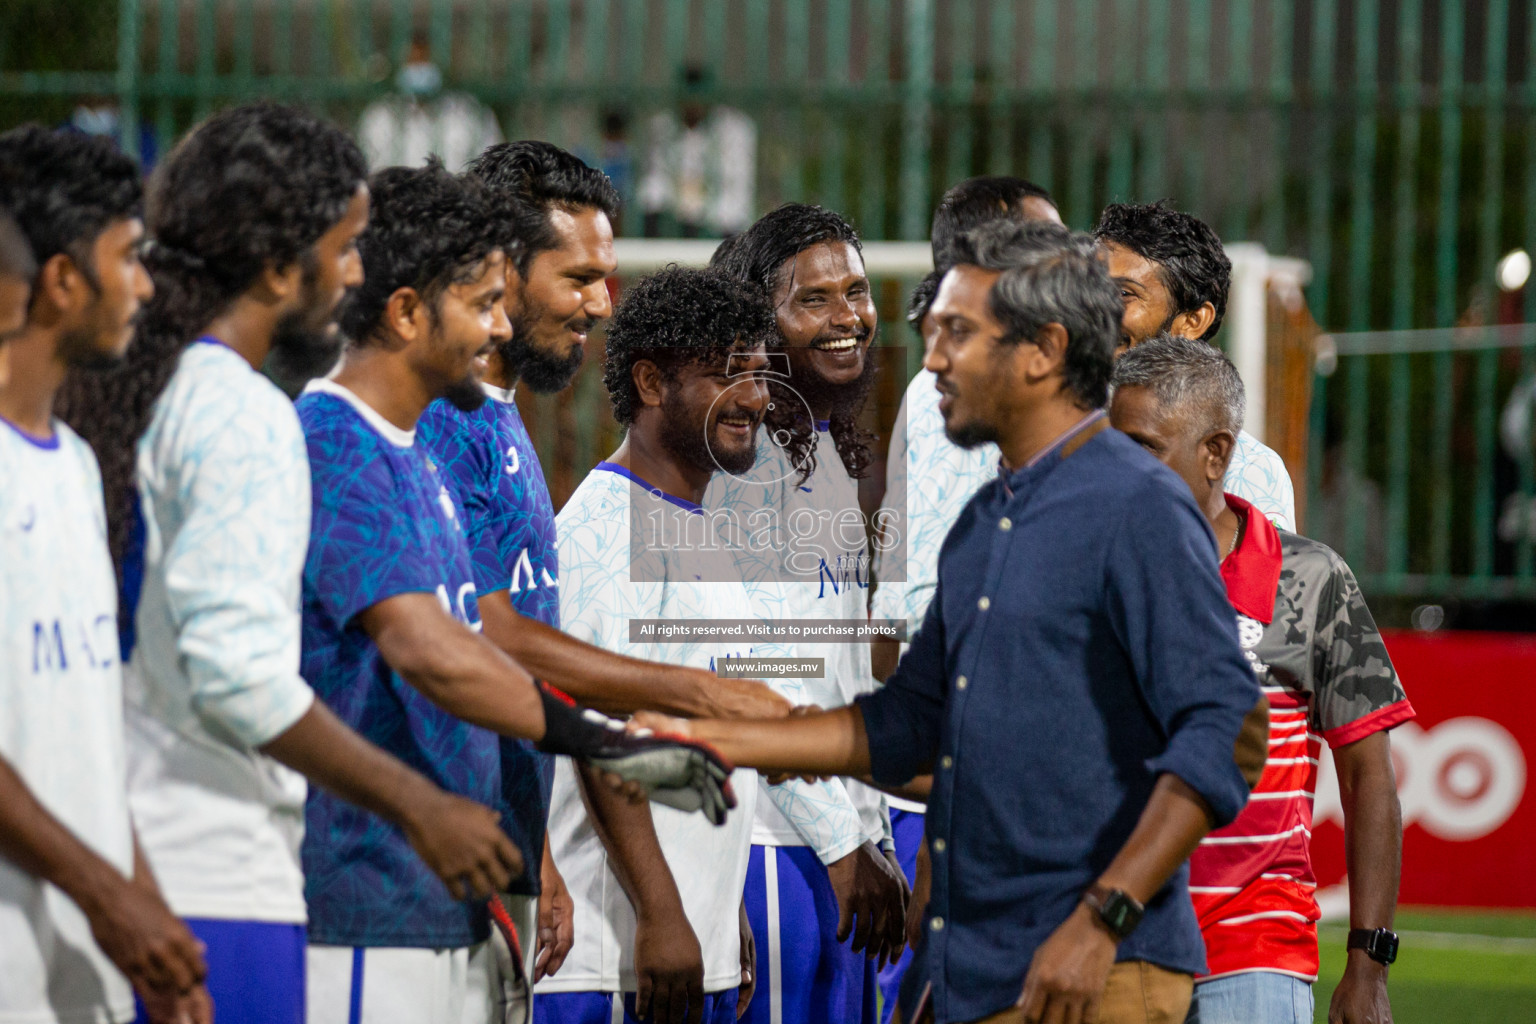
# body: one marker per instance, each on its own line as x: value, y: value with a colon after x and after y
x: 224, y: 485
x: 810, y: 574
x: 61, y: 719
x: 603, y: 585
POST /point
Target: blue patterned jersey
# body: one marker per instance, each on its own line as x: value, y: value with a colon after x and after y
x: 383, y: 524
x: 489, y: 462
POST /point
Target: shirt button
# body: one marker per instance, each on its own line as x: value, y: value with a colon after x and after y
x: 946, y: 761
x: 938, y: 846
x: 1005, y: 523
x: 962, y: 683
x: 937, y: 924
x: 984, y: 603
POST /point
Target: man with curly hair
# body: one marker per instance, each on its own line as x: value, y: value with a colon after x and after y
x: 255, y: 217
x: 77, y: 902
x: 659, y: 922
x: 1174, y: 277
x: 562, y: 210
x: 822, y: 873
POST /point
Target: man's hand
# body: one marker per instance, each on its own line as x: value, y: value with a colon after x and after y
x: 462, y: 843
x: 137, y: 931
x: 917, y: 903
x: 740, y: 698
x: 196, y: 1007
x: 1361, y: 996
x: 897, y: 937
x: 870, y: 901
x: 1067, y: 974
x: 748, y: 964
x: 557, y: 920
x: 669, y: 969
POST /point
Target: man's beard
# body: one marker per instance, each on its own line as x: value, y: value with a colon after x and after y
x: 300, y: 353
x: 688, y: 443
x: 544, y: 372
x: 465, y: 395
x: 971, y: 435
x: 79, y: 352
x: 845, y: 400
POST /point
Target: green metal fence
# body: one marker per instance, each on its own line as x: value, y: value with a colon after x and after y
x: 1392, y: 144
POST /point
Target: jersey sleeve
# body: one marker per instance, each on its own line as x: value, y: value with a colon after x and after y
x: 362, y: 549
x: 1356, y: 691
x: 230, y: 570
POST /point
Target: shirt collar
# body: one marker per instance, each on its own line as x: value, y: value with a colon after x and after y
x: 381, y: 426
x: 1252, y: 571
x: 506, y: 396
x: 682, y: 503
x: 1012, y: 476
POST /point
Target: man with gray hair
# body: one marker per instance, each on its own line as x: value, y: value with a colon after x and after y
x: 1076, y: 688
x: 1306, y: 631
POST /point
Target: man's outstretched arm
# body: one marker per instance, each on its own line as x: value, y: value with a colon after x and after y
x: 820, y: 743
x: 615, y: 683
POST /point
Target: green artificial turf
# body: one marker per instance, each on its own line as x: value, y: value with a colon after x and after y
x: 1466, y: 967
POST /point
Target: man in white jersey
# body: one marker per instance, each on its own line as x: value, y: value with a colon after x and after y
x: 1174, y: 278
x: 78, y: 907
x: 222, y: 729
x: 659, y: 922
x: 815, y: 866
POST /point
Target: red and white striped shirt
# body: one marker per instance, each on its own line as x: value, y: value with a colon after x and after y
x: 1305, y: 628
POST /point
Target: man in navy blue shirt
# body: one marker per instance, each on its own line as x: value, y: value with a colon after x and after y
x: 1076, y: 687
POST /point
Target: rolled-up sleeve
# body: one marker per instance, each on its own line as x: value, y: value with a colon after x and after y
x: 903, y: 720
x: 232, y: 571
x: 1168, y: 605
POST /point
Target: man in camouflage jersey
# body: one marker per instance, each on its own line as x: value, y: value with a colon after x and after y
x: 1304, y: 627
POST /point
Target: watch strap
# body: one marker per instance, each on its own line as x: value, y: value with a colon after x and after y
x: 1380, y: 944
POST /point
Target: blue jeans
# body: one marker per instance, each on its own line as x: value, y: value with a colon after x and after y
x: 1254, y: 997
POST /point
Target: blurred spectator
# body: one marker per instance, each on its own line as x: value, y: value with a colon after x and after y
x: 101, y: 115
x: 421, y: 120
x: 701, y: 166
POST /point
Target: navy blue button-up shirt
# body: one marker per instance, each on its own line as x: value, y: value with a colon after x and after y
x: 1079, y: 644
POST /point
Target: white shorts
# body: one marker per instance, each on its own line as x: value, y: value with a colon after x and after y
x: 391, y: 985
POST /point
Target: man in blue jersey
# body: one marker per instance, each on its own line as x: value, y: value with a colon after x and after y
x: 81, y: 916
x: 822, y: 873
x: 556, y: 292
x: 390, y: 620
x: 255, y: 216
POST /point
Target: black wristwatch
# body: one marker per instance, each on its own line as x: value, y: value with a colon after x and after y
x: 1380, y: 945
x: 1119, y: 912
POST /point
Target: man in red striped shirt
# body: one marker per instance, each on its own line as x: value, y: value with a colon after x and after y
x: 1305, y: 628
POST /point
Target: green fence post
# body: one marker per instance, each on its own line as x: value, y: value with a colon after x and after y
x: 916, y: 93
x: 1443, y: 492
x: 128, y: 76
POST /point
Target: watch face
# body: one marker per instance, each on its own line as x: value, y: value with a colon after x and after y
x: 1385, y: 946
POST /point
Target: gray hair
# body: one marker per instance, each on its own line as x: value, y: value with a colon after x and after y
x: 1186, y: 373
x: 1051, y: 276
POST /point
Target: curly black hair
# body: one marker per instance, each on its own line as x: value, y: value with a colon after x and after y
x: 65, y: 188
x: 535, y: 178
x: 974, y: 202
x: 676, y: 317
x: 763, y: 254
x: 251, y: 187
x: 921, y: 300
x: 426, y: 230
x: 1189, y: 256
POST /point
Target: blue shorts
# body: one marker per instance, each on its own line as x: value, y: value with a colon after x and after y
x: 801, y: 966
x: 597, y: 1008
x: 255, y: 971
x: 907, y: 829
x: 1253, y: 997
